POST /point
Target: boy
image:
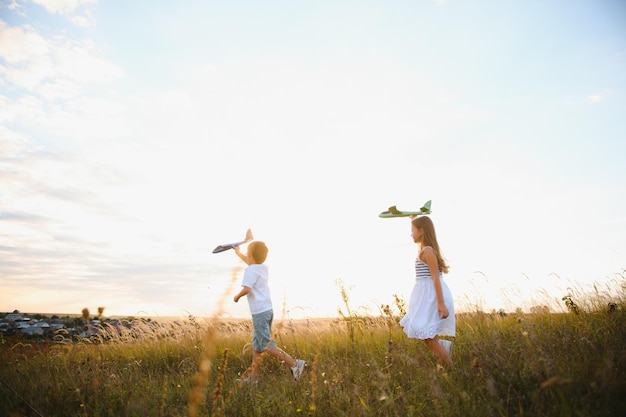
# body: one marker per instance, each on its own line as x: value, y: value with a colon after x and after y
x: 255, y: 287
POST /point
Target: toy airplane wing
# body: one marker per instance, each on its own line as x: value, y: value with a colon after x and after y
x: 394, y: 212
x: 227, y: 246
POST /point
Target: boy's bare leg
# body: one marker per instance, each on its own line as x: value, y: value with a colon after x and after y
x: 256, y: 365
x: 282, y: 356
x: 439, y: 352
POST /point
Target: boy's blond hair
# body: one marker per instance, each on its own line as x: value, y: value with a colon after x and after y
x: 258, y: 250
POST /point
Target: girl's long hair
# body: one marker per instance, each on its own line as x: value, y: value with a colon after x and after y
x: 430, y: 239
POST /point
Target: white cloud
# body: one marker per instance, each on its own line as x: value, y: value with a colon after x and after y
x: 600, y: 97
x: 62, y: 217
x: 16, y: 8
x: 25, y: 110
x: 62, y: 7
x: 31, y: 59
x: 154, y: 180
x: 11, y: 143
x: 26, y: 54
x: 80, y: 61
x: 67, y: 8
x: 596, y: 98
x: 61, y: 76
x: 83, y: 21
x: 20, y: 44
x: 61, y: 89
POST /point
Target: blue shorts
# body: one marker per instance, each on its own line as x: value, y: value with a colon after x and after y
x: 262, y: 324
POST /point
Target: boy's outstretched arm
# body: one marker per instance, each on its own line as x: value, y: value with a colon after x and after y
x: 244, y: 291
x: 241, y: 255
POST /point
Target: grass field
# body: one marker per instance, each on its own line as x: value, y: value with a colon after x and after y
x: 515, y: 364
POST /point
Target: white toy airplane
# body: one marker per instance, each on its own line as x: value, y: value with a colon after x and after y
x: 226, y: 246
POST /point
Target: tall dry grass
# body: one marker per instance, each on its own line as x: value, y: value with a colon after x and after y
x: 517, y: 364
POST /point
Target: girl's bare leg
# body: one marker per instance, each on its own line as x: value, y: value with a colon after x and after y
x: 439, y: 352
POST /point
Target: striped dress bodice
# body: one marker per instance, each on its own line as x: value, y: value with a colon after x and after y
x: 421, y: 269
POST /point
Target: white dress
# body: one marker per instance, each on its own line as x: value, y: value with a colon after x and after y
x: 422, y: 320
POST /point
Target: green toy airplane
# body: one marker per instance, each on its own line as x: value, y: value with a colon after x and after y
x: 394, y: 212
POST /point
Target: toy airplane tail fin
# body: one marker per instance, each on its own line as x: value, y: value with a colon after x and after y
x: 249, y: 236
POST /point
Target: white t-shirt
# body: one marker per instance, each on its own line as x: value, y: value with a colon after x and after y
x: 256, y: 277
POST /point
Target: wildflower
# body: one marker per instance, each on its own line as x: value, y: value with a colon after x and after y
x: 611, y: 310
x: 475, y: 363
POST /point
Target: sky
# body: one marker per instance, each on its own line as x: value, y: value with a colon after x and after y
x: 137, y: 136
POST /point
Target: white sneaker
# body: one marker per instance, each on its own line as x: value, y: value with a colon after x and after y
x: 447, y: 345
x: 247, y: 381
x: 298, y: 369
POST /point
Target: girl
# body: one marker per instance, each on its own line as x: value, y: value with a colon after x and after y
x: 431, y: 309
